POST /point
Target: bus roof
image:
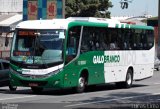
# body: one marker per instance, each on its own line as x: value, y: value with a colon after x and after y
x: 93, y: 19
x: 44, y: 24
x: 110, y: 22
x: 64, y: 23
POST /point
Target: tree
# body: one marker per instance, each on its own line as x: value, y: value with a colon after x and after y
x: 88, y: 8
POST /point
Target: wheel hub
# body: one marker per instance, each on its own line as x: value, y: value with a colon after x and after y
x: 81, y: 82
x: 129, y: 79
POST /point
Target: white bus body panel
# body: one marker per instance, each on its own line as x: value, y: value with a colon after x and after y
x: 140, y: 61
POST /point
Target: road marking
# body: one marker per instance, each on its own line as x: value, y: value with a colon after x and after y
x: 110, y: 100
x: 17, y: 97
x: 157, y: 83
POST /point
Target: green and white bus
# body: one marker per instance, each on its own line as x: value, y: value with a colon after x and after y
x: 78, y: 52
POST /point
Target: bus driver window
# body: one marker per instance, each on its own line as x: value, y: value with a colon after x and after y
x: 72, y: 43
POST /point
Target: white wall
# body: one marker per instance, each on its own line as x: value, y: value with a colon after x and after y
x: 11, y: 6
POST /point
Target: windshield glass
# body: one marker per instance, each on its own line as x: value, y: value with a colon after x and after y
x: 38, y: 46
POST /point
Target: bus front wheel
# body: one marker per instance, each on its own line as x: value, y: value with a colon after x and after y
x: 81, y: 84
x: 12, y: 88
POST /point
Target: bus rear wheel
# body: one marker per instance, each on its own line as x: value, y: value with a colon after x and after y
x: 81, y: 84
x: 128, y: 81
x: 37, y: 89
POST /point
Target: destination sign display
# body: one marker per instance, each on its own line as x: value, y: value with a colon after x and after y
x: 26, y: 33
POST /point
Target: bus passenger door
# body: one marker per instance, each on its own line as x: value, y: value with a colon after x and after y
x: 71, y: 70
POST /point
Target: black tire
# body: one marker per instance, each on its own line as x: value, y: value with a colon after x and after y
x: 128, y: 82
x: 37, y: 89
x: 12, y: 88
x: 129, y: 79
x: 81, y: 84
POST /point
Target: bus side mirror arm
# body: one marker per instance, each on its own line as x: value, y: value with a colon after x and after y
x: 7, y: 39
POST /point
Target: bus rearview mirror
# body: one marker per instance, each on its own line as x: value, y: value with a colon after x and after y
x: 6, y: 42
x: 7, y: 38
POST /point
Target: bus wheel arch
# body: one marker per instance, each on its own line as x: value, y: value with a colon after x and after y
x: 128, y: 79
x: 82, y: 81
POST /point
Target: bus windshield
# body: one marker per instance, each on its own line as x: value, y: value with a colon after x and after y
x: 38, y: 46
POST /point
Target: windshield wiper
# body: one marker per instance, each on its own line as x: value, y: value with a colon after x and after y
x: 39, y: 48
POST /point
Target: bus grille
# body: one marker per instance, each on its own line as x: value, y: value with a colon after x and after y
x: 34, y: 76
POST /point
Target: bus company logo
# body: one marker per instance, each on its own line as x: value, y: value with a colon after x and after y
x: 106, y: 59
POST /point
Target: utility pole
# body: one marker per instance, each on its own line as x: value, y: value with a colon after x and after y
x: 158, y: 48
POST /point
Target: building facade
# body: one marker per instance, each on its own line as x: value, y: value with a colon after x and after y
x: 10, y: 15
x: 11, y: 6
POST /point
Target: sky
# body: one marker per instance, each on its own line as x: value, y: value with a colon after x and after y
x: 136, y: 8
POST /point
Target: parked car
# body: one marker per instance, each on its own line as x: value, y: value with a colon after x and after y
x: 157, y: 64
x: 4, y: 74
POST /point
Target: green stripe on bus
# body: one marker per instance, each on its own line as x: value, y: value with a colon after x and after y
x: 91, y: 24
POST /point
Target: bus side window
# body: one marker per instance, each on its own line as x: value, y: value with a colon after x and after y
x: 85, y: 40
x: 71, y: 49
x: 92, y: 39
x: 144, y: 39
x: 150, y: 39
x: 104, y: 40
x: 72, y: 43
x: 88, y: 43
x: 113, y: 36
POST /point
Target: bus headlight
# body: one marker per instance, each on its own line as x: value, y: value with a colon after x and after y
x: 54, y: 72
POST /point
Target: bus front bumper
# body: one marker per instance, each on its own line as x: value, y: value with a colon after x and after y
x: 53, y: 81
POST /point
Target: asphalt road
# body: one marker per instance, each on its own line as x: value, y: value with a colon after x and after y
x: 144, y: 94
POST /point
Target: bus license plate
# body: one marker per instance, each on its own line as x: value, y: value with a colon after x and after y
x: 33, y: 84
